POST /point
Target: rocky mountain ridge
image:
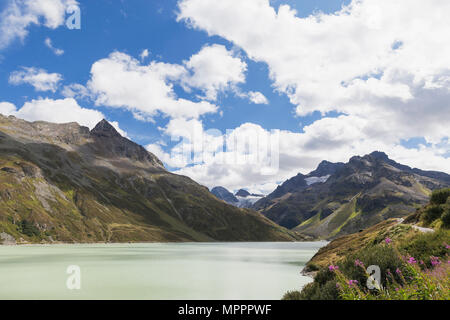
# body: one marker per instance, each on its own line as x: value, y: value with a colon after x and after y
x: 345, y: 198
x: 66, y: 183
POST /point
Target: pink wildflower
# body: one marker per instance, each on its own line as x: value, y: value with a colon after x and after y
x: 352, y: 282
x: 333, y: 268
x: 435, y: 261
x: 411, y: 260
x: 359, y: 263
x: 388, y: 240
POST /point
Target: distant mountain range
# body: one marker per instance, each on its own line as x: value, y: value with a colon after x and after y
x: 63, y: 182
x: 242, y: 198
x: 343, y: 198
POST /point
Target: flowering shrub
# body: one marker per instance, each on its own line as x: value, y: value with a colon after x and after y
x: 409, y: 282
x: 385, y: 256
x: 427, y: 245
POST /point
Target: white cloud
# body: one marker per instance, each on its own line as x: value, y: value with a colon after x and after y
x: 48, y: 43
x: 333, y: 139
x: 382, y: 60
x: 257, y: 97
x: 384, y: 65
x: 57, y: 111
x: 40, y: 79
x: 7, y: 108
x: 214, y: 69
x: 144, y: 54
x: 75, y: 90
x: 172, y: 160
x: 121, y: 81
x: 19, y: 15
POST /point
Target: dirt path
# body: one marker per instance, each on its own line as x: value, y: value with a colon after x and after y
x: 421, y: 229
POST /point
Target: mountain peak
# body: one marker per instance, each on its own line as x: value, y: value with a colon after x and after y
x: 105, y: 129
x: 379, y: 155
x: 242, y: 193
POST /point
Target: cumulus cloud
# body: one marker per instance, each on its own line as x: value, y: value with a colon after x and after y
x: 382, y: 65
x: 214, y: 69
x: 49, y: 44
x: 75, y: 90
x: 19, y: 15
x: 374, y: 57
x: 257, y: 97
x: 121, y: 81
x: 40, y: 79
x: 57, y: 111
x: 7, y: 108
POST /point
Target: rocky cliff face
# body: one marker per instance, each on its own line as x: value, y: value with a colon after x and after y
x: 62, y: 182
x: 338, y: 199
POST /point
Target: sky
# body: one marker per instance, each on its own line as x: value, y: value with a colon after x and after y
x: 242, y: 94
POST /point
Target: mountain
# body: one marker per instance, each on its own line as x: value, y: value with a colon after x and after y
x: 63, y: 182
x: 338, y: 199
x: 225, y: 195
x: 242, y: 193
x: 300, y: 182
x: 242, y: 198
x: 247, y: 199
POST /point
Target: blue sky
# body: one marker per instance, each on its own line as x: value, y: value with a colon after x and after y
x: 129, y: 27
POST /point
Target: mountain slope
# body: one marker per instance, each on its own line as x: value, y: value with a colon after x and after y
x: 62, y: 182
x: 338, y: 199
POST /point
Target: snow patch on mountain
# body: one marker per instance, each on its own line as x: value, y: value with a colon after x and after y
x: 247, y: 202
x: 313, y: 180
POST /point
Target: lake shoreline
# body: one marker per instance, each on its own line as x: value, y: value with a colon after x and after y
x: 140, y: 242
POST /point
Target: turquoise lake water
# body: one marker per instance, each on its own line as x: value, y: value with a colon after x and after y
x: 155, y: 271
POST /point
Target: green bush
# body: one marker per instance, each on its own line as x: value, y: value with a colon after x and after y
x: 323, y: 287
x: 446, y: 218
x: 425, y: 245
x: 432, y: 213
x: 291, y: 295
x: 315, y: 291
x: 383, y: 256
x: 29, y: 229
x: 440, y: 196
